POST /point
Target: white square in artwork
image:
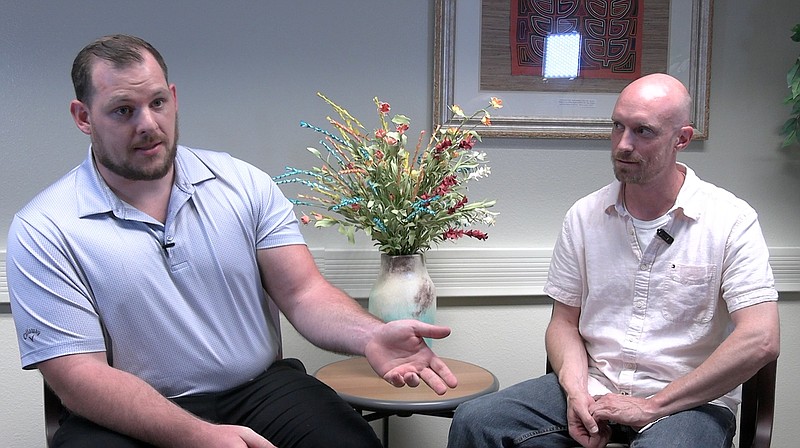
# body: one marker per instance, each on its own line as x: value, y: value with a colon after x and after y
x: 562, y: 55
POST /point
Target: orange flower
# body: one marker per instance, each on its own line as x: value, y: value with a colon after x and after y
x: 486, y: 120
x: 496, y: 102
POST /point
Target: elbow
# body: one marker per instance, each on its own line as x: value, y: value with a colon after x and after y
x: 772, y: 349
x: 769, y: 347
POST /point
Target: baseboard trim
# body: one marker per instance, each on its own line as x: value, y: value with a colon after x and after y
x: 473, y: 272
x: 491, y: 272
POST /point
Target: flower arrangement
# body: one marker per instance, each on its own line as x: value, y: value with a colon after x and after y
x: 405, y: 200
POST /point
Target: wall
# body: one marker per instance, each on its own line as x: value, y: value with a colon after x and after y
x: 247, y: 73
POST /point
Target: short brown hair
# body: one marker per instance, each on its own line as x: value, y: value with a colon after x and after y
x: 121, y: 50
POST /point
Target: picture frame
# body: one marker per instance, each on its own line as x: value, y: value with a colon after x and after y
x: 565, y: 114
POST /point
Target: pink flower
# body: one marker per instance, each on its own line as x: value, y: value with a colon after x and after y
x: 442, y: 145
x: 402, y: 128
x: 454, y: 234
x: 458, y: 205
x: 477, y: 234
x: 380, y: 133
x: 305, y: 219
x: 445, y: 185
x: 384, y: 108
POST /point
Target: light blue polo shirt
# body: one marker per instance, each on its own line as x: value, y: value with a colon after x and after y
x: 190, y: 318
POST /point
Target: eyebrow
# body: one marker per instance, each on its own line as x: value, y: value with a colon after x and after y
x: 125, y: 97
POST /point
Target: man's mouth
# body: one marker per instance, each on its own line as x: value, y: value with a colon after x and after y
x: 147, y: 147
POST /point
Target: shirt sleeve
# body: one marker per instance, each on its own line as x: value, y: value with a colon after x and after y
x: 747, y: 277
x: 565, y: 278
x: 51, y: 304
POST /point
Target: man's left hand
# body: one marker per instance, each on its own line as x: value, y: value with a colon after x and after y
x: 623, y: 409
x: 399, y: 354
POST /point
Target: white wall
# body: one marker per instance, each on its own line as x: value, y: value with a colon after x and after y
x: 247, y: 73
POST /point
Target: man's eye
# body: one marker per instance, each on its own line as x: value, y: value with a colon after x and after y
x: 122, y: 111
x: 158, y: 103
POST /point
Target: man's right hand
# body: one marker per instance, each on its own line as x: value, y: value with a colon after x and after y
x: 582, y: 426
x: 231, y: 436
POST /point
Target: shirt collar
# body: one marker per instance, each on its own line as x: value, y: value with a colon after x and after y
x: 96, y: 197
x: 684, y: 203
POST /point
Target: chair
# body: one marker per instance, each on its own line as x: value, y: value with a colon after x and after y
x: 52, y: 413
x: 756, y: 410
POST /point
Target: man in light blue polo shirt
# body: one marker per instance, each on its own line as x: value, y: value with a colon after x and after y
x: 141, y: 285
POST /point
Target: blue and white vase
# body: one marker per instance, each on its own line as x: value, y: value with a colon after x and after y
x: 403, y: 290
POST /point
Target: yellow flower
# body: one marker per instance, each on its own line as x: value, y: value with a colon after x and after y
x: 457, y: 111
x: 496, y: 102
x: 486, y: 120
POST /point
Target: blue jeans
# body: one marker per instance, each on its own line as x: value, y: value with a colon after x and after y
x: 534, y: 414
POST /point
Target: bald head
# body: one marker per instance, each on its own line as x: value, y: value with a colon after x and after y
x: 662, y: 94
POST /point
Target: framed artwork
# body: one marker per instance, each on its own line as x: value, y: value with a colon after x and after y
x: 473, y: 62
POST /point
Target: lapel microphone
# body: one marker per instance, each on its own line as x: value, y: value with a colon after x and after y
x: 661, y: 233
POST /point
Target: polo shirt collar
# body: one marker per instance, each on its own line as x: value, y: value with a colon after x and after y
x: 95, y: 197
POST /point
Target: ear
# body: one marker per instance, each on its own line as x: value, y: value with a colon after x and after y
x: 80, y: 113
x: 684, y: 137
x: 174, y: 91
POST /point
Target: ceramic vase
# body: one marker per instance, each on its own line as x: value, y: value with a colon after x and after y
x: 403, y: 290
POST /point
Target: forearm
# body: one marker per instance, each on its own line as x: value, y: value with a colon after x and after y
x: 322, y: 313
x: 738, y: 358
x: 566, y: 351
x: 123, y: 403
x: 332, y: 320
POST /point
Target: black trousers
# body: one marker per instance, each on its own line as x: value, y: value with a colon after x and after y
x: 284, y: 404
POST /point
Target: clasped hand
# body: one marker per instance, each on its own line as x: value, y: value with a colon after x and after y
x: 588, y: 417
x: 398, y: 353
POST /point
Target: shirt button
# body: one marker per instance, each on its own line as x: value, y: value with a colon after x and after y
x: 643, y: 267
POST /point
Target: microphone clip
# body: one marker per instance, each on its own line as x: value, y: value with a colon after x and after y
x: 661, y: 233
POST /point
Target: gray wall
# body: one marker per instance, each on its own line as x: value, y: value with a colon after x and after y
x: 247, y: 73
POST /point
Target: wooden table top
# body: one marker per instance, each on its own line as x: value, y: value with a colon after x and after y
x: 355, y: 381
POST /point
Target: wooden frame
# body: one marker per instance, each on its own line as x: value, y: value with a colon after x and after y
x: 530, y: 114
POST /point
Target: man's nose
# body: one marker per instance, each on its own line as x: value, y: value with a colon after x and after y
x: 146, y: 121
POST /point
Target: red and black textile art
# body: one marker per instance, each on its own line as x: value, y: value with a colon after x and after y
x: 611, y: 35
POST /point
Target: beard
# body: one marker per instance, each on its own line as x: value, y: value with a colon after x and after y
x: 642, y: 170
x: 123, y: 167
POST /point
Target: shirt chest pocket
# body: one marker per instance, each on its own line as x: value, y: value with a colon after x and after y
x: 687, y: 293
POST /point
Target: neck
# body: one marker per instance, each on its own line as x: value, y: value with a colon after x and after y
x: 148, y: 196
x: 652, y: 200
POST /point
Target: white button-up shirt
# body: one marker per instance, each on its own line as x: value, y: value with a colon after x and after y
x: 650, y: 315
